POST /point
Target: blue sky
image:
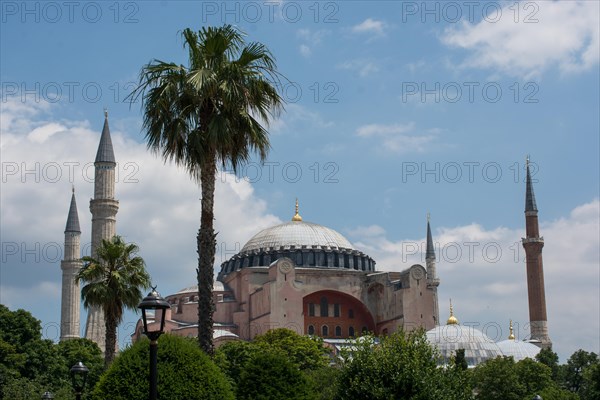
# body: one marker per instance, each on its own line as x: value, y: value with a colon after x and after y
x: 394, y: 110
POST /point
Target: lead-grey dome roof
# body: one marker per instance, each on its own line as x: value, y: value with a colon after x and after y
x: 518, y: 350
x: 477, y: 345
x: 297, y: 234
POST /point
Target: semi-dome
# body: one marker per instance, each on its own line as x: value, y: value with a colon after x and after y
x: 451, y: 337
x: 307, y: 244
x: 297, y: 234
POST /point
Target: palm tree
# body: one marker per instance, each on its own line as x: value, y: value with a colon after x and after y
x: 113, y: 282
x: 207, y: 114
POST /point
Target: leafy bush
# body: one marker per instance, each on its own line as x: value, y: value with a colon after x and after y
x: 184, y: 373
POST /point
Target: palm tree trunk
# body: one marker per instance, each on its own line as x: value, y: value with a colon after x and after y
x: 206, y: 256
x: 110, y: 339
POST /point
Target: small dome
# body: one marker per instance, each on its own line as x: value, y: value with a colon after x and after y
x: 297, y: 234
x: 449, y: 338
x: 518, y: 350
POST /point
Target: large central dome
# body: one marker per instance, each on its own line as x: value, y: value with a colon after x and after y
x: 308, y: 245
x: 297, y: 234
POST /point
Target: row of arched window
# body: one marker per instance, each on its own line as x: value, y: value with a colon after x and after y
x: 338, y: 331
x: 324, y: 309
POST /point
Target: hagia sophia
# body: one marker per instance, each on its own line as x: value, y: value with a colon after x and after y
x: 309, y: 278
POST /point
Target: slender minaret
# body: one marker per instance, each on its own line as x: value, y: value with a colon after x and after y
x: 432, y: 280
x: 70, y: 266
x: 533, y: 245
x: 104, y: 209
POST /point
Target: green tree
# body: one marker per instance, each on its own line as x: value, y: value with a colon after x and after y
x: 573, y: 369
x: 270, y: 375
x: 590, y: 389
x: 497, y: 379
x: 300, y: 366
x: 550, y: 358
x: 533, y: 376
x: 306, y: 352
x: 207, y: 113
x: 113, y: 281
x: 401, y: 366
x: 86, y: 351
x: 28, y: 363
x: 460, y: 360
x: 185, y: 372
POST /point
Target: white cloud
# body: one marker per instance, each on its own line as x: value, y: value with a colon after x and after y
x: 560, y: 33
x: 159, y: 207
x: 363, y: 67
x: 370, y: 25
x: 305, y: 51
x: 483, y: 271
x: 310, y: 39
x: 396, y: 138
x: 297, y: 116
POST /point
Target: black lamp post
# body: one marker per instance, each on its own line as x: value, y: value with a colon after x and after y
x: 47, y: 395
x: 78, y: 377
x: 154, y: 302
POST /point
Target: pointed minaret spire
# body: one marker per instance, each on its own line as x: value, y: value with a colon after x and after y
x: 430, y: 253
x: 105, y: 151
x: 104, y: 208
x: 529, y: 195
x: 73, y: 218
x: 432, y: 280
x: 70, y: 266
x: 533, y: 244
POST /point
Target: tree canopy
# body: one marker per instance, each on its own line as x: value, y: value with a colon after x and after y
x: 184, y: 373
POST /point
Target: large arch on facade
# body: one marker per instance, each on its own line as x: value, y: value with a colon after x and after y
x: 335, y: 315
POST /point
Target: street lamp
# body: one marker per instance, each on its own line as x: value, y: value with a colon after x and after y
x: 47, y: 395
x: 78, y: 377
x: 154, y: 302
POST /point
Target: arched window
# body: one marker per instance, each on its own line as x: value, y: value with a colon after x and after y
x: 311, y: 309
x: 338, y: 331
x: 351, y: 331
x: 325, y: 330
x: 324, y: 307
x: 311, y: 330
x: 350, y: 313
x: 336, y: 310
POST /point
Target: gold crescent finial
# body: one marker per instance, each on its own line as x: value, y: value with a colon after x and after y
x: 511, y: 336
x: 297, y: 216
x: 452, y: 320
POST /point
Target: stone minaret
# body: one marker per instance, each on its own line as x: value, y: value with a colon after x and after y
x: 432, y: 280
x: 70, y: 266
x: 533, y: 245
x: 104, y: 209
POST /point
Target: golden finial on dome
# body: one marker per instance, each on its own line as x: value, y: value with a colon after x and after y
x: 511, y: 336
x: 452, y: 320
x: 296, y: 216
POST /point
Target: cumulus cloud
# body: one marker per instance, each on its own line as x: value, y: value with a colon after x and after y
x: 159, y: 206
x: 396, y: 138
x: 565, y: 34
x: 363, y: 67
x: 310, y: 39
x: 483, y: 272
x: 372, y: 26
